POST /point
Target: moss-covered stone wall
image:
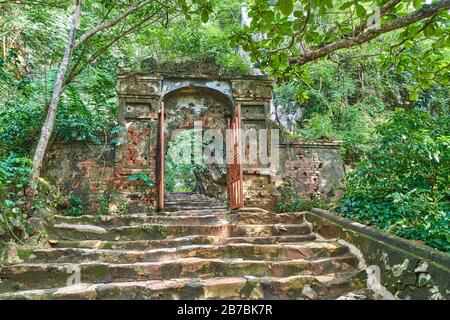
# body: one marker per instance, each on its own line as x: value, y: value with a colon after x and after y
x: 408, y: 270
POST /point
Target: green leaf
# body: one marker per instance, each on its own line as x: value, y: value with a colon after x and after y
x: 418, y: 4
x: 409, y: 43
x: 328, y: 4
x: 205, y: 16
x: 360, y: 10
x: 286, y: 6
x: 430, y: 30
x: 414, y: 95
x: 346, y: 5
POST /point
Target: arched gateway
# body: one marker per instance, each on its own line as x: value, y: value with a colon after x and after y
x: 153, y: 104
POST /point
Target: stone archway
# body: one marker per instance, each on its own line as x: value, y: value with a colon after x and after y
x: 315, y: 167
x: 140, y: 95
x: 195, y: 106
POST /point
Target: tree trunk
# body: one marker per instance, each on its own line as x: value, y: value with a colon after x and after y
x: 47, y: 128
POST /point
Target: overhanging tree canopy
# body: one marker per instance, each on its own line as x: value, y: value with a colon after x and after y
x: 94, y: 27
x: 293, y: 33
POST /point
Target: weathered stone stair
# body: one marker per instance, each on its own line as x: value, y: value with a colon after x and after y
x: 190, y: 201
x: 206, y: 253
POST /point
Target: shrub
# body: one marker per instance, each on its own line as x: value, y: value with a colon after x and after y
x: 14, y: 179
x: 290, y: 201
x: 14, y: 172
x: 103, y: 200
x: 402, y: 186
x: 76, y: 208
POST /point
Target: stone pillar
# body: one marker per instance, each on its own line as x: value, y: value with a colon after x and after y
x: 254, y: 95
x: 135, y: 153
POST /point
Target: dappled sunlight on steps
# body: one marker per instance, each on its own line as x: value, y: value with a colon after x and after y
x: 206, y: 253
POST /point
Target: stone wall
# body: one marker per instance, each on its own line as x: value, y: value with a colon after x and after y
x: 188, y: 97
x: 80, y: 169
x: 397, y: 268
x: 88, y: 170
x: 312, y: 168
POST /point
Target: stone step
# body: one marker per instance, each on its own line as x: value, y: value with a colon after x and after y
x: 181, y: 203
x: 297, y: 287
x: 275, y: 252
x: 177, y: 242
x: 324, y: 287
x: 160, y: 231
x: 138, y: 219
x: 53, y: 275
x: 193, y: 207
x: 171, y: 195
x: 360, y: 294
x: 266, y: 218
x: 179, y: 206
x: 193, y: 212
x: 190, y: 200
x: 200, y: 219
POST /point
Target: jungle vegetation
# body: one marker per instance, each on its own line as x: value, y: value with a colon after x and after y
x: 383, y: 90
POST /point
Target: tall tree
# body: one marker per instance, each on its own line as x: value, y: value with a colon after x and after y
x: 130, y: 17
x: 47, y: 128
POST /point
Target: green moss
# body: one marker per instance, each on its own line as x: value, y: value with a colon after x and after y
x: 206, y: 268
x: 157, y: 230
x: 17, y: 287
x: 360, y: 283
x: 24, y: 253
x: 77, y: 207
x: 99, y: 272
x: 193, y: 291
x: 248, y: 288
x: 110, y: 293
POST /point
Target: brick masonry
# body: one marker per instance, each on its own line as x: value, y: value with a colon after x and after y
x: 313, y: 168
x: 88, y: 171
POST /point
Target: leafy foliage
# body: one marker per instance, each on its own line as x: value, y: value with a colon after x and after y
x: 14, y: 173
x: 76, y: 207
x: 14, y: 177
x: 402, y: 186
x: 286, y: 35
x: 346, y: 99
x: 290, y: 201
x: 143, y: 177
x: 189, y: 40
x: 104, y: 201
x: 181, y: 162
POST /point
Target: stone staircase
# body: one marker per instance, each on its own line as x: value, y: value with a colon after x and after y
x: 190, y: 201
x: 202, y: 253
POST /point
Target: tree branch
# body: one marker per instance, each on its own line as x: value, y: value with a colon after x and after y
x: 76, y: 71
x: 426, y: 24
x: 111, y: 23
x: 55, y: 4
x: 372, y: 34
x: 384, y: 9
